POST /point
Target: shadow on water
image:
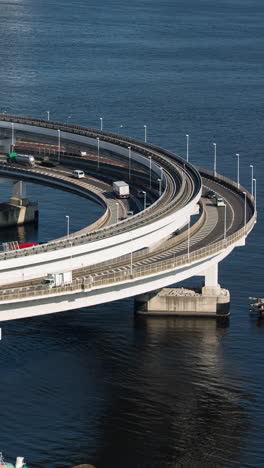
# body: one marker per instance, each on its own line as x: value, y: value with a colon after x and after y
x: 25, y: 233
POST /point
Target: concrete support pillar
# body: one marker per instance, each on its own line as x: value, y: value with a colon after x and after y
x: 19, y: 189
x: 211, y: 286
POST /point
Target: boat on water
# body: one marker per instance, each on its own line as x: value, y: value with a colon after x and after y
x: 19, y: 463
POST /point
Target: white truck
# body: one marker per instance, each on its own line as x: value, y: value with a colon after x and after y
x: 54, y: 280
x: 121, y: 189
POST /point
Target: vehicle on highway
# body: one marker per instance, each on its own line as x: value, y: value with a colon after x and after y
x: 77, y: 174
x: 47, y: 162
x: 14, y: 245
x: 58, y: 279
x: 210, y: 194
x: 121, y: 189
x: 219, y: 201
x: 24, y: 159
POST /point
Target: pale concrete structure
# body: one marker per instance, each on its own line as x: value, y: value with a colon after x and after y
x: 184, y: 302
x: 114, y: 284
x: 18, y: 210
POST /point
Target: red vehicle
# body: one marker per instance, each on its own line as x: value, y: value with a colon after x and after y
x: 26, y: 245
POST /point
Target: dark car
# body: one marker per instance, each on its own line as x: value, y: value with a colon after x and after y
x: 210, y: 194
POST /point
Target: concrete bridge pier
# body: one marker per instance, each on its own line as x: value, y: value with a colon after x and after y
x: 208, y: 301
x: 18, y: 210
x: 211, y: 286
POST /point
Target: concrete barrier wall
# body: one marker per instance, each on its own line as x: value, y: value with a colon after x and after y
x: 14, y: 309
x: 38, y: 265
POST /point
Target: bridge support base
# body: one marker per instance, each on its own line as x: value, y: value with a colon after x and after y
x: 184, y: 302
x: 17, y: 212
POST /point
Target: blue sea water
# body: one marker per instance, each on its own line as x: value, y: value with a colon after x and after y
x: 98, y: 385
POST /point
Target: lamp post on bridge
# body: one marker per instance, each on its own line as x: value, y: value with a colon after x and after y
x: 101, y: 121
x: 68, y: 225
x: 129, y: 162
x: 98, y: 152
x: 48, y: 112
x: 214, y: 159
x: 255, y: 192
x: 145, y: 199
x: 225, y: 222
x: 117, y: 212
x: 245, y: 209
x: 59, y: 144
x: 150, y: 161
x: 188, y: 240
x: 252, y: 177
x: 145, y: 133
x: 238, y: 184
x: 187, y: 147
x: 12, y: 136
x: 131, y: 254
x: 159, y: 181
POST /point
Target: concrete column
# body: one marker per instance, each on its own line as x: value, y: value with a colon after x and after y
x: 19, y: 189
x: 211, y: 286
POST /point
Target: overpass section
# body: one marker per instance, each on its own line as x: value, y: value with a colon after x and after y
x: 100, y: 274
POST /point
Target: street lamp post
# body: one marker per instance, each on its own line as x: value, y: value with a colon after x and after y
x: 237, y: 155
x: 129, y: 162
x: 159, y: 181
x: 214, y: 159
x: 131, y: 255
x: 12, y: 136
x: 225, y: 222
x: 187, y: 147
x: 150, y: 161
x: 252, y: 177
x: 59, y: 143
x: 245, y: 209
x: 255, y: 192
x: 117, y: 212
x: 68, y: 225
x: 145, y: 199
x: 188, y: 240
x: 145, y: 131
x: 48, y: 112
x: 98, y: 152
x: 101, y: 120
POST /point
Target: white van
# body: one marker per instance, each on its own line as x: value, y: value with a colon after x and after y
x: 77, y: 174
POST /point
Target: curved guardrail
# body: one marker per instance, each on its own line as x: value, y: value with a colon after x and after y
x: 138, y: 220
x: 109, y: 278
x: 143, y: 148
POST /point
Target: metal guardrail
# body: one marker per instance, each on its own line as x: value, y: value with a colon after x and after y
x: 134, y: 273
x: 143, y: 148
x: 170, y: 243
x: 120, y: 228
x: 107, y: 279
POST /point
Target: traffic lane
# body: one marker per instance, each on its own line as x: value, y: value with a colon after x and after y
x: 235, y: 201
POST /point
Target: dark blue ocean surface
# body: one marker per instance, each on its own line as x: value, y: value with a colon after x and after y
x: 98, y: 385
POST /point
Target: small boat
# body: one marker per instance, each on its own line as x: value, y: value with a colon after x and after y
x: 19, y: 463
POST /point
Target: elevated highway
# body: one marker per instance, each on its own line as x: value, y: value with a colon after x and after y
x: 130, y: 257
